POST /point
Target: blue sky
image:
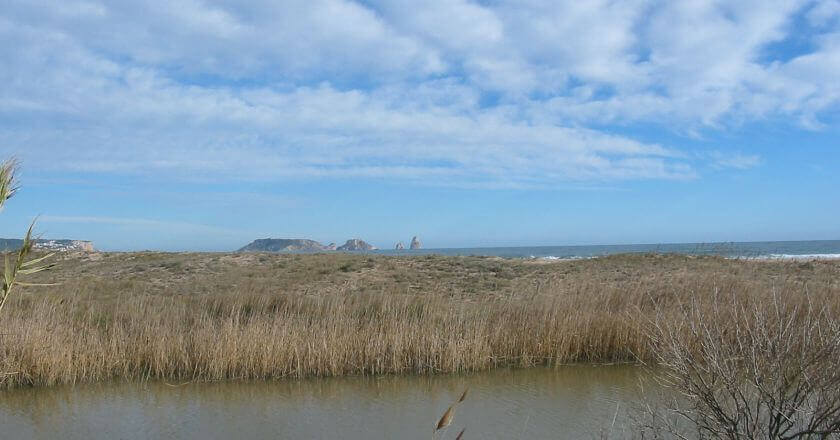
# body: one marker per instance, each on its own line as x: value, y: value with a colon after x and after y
x: 201, y: 125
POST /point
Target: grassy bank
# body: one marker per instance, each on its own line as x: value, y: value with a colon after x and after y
x: 184, y: 317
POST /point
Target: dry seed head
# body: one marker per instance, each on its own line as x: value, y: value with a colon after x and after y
x: 446, y: 418
x: 463, y: 395
x: 8, y: 181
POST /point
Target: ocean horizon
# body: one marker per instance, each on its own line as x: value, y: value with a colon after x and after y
x: 801, y: 249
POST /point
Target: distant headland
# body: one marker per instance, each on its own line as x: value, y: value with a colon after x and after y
x: 306, y: 245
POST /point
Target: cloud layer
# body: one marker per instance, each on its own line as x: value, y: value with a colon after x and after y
x: 501, y: 93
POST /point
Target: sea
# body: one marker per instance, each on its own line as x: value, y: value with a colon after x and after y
x: 798, y: 250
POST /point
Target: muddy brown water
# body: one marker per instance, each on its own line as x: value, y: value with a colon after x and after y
x: 537, y: 403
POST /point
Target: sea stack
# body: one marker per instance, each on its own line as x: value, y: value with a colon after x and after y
x: 415, y: 243
x: 400, y: 246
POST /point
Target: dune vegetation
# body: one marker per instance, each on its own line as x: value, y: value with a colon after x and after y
x: 206, y: 317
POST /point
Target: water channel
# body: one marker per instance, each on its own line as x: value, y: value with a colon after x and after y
x: 538, y: 403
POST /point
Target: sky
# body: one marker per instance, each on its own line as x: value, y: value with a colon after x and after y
x: 202, y: 125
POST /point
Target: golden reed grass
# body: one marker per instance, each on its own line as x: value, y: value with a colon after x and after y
x: 206, y: 317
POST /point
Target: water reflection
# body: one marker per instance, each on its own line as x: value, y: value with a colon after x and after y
x: 567, y: 402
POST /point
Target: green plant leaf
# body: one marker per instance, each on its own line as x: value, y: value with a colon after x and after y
x: 37, y: 260
x: 21, y: 283
x: 35, y: 270
x: 8, y: 275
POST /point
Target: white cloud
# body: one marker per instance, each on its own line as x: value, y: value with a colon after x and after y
x: 499, y: 94
x: 722, y: 160
x: 824, y: 12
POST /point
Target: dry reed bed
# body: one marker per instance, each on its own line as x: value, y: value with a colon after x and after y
x: 205, y: 317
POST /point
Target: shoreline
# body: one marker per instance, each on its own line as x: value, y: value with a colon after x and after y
x: 793, y: 257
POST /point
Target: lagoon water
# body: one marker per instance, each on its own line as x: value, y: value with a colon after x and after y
x: 537, y: 403
x: 754, y: 249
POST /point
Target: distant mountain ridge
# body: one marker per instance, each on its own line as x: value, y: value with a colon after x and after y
x: 12, y: 244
